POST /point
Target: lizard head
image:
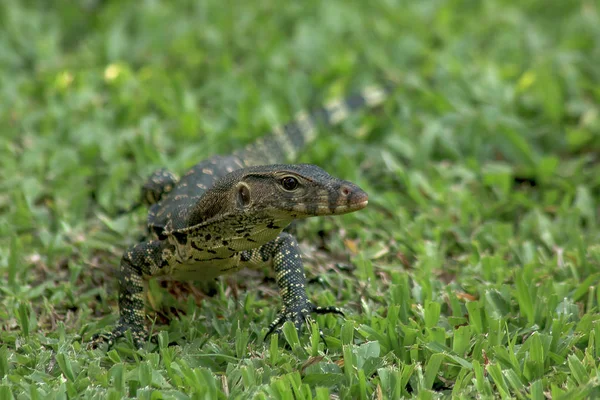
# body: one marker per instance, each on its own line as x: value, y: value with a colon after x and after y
x: 275, y: 195
x: 297, y: 191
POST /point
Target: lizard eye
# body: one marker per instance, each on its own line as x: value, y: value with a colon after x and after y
x: 289, y: 183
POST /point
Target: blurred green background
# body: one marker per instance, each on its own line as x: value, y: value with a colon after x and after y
x: 474, y: 270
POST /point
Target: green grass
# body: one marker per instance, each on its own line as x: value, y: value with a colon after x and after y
x: 473, y: 272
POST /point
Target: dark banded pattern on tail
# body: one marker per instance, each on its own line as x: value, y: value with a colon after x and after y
x: 285, y: 142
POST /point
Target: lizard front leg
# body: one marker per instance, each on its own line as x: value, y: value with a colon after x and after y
x: 138, y: 263
x: 285, y: 257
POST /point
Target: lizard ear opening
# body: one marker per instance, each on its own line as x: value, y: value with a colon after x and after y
x: 243, y: 195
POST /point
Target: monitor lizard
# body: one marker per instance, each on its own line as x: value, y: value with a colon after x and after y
x: 229, y: 212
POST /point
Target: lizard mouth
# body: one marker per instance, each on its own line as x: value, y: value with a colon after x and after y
x: 351, y: 199
x: 354, y: 206
x: 362, y: 204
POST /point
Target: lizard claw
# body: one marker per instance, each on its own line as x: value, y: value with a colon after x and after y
x: 299, y: 316
x: 328, y: 310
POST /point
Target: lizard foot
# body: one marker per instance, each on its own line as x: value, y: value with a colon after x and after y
x: 138, y: 333
x: 299, y: 316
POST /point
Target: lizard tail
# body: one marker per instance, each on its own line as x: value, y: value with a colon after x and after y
x: 285, y: 141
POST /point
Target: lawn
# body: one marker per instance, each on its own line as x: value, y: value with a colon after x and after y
x: 473, y: 272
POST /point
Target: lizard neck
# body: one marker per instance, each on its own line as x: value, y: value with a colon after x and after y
x: 234, y: 232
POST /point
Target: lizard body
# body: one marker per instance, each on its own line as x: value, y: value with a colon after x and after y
x: 229, y: 212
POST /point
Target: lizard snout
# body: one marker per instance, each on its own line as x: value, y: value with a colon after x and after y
x: 350, y: 198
